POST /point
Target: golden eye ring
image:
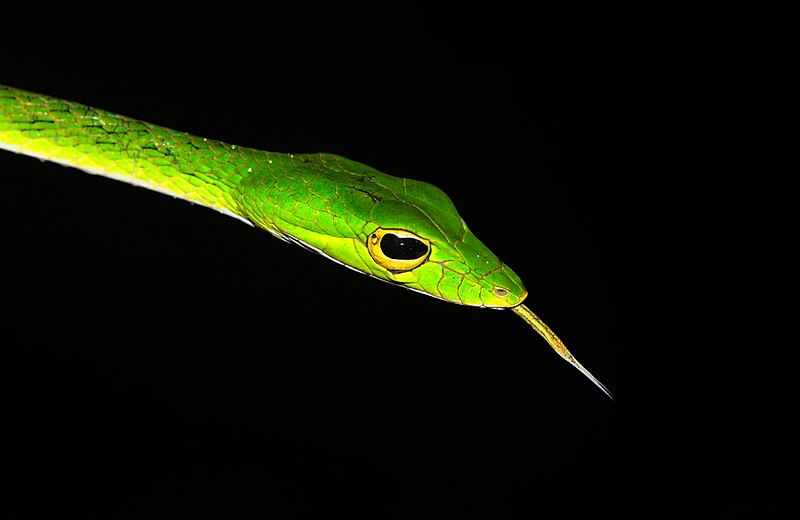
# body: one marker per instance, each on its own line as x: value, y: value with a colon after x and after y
x: 398, y: 250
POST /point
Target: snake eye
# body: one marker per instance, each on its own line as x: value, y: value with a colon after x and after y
x: 397, y: 250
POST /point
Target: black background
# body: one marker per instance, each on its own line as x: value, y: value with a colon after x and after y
x: 168, y: 361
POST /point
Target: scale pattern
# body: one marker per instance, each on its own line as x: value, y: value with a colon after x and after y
x: 324, y: 202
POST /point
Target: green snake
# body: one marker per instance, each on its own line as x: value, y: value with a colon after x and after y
x: 398, y: 230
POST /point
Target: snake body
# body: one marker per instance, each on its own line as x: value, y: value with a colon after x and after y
x: 399, y: 230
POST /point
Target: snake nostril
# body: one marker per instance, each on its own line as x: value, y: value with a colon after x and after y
x: 499, y: 291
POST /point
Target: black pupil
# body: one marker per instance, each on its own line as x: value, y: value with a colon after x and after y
x: 402, y: 248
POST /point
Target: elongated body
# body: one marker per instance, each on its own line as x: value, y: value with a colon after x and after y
x: 398, y: 230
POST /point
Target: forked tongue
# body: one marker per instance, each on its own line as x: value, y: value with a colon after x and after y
x: 544, y: 331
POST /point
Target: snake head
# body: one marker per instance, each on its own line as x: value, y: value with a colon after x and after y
x: 463, y: 271
x: 417, y: 238
x: 396, y: 229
